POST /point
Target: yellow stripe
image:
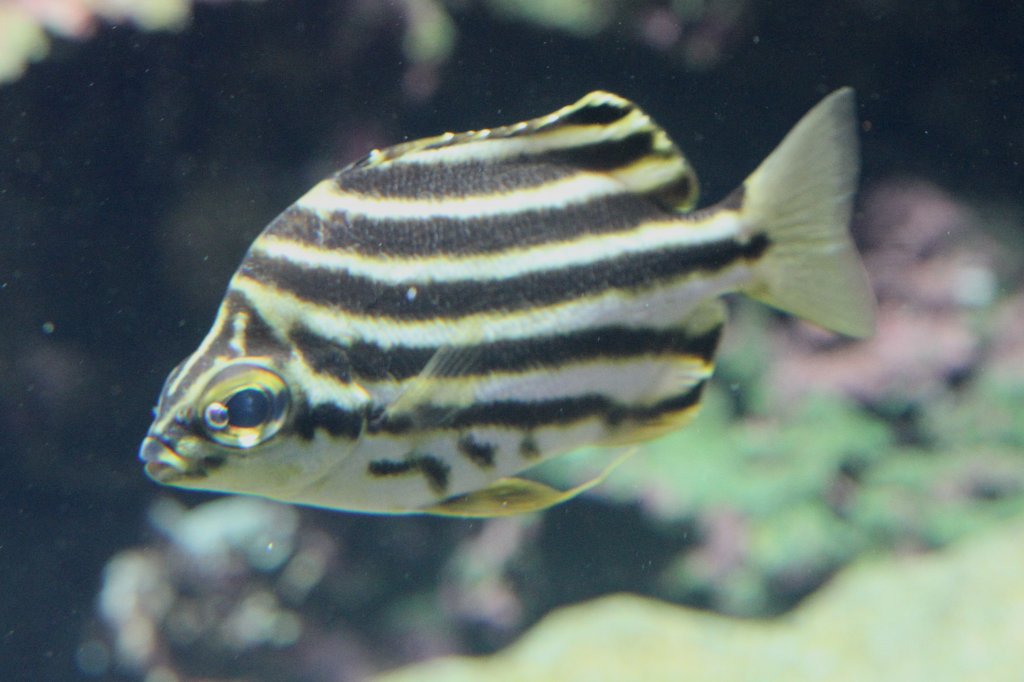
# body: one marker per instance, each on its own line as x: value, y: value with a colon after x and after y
x: 495, y: 144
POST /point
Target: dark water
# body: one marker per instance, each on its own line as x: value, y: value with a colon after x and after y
x: 135, y: 168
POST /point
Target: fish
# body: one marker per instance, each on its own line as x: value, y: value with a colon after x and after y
x: 433, y: 320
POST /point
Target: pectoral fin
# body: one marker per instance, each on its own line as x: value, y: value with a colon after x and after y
x: 426, y: 390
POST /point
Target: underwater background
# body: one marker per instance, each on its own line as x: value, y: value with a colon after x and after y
x: 840, y: 510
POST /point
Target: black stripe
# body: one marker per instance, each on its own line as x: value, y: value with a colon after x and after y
x: 525, y: 416
x: 433, y: 469
x: 364, y: 361
x: 679, y: 195
x: 369, y: 362
x: 602, y: 156
x: 322, y: 355
x: 482, y: 234
x: 364, y: 296
x: 604, y: 113
x: 261, y: 338
x: 649, y: 413
x: 528, y: 448
x: 480, y: 454
x: 330, y: 418
x: 529, y: 416
x: 441, y: 180
x: 446, y: 180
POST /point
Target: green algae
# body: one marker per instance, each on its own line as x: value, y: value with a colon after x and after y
x: 786, y: 494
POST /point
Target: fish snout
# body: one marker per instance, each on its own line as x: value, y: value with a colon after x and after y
x: 163, y: 464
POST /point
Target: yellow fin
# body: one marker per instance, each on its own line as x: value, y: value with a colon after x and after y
x: 510, y: 496
x: 672, y: 421
x: 801, y: 196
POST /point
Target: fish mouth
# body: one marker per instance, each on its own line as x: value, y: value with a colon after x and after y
x: 163, y: 464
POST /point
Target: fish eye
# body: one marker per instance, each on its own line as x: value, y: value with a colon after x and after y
x: 248, y: 408
x: 215, y: 416
x: 244, y: 405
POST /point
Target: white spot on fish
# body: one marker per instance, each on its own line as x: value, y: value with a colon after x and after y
x: 410, y: 294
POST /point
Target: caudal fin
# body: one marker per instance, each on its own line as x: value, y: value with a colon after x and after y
x: 801, y: 197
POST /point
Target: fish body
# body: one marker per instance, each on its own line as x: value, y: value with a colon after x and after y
x: 446, y: 313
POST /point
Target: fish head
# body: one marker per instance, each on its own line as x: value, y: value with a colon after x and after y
x: 233, y: 425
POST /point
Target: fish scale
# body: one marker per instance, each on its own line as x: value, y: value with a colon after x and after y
x: 442, y: 315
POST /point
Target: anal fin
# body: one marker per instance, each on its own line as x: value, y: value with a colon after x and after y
x: 512, y: 495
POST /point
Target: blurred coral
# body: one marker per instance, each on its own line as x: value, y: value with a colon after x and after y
x: 697, y: 33
x: 477, y: 589
x: 24, y: 23
x: 934, y: 268
x: 22, y: 40
x: 227, y: 579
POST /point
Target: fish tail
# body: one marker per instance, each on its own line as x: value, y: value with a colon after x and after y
x: 801, y: 198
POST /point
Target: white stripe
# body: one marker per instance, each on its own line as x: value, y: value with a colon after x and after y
x: 588, y: 250
x: 660, y: 308
x: 238, y: 327
x: 650, y: 172
x: 326, y: 198
x: 318, y: 389
x: 643, y: 380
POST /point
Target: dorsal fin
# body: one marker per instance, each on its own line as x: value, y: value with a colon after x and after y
x: 601, y: 133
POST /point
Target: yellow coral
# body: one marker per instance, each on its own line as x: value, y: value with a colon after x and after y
x: 952, y: 616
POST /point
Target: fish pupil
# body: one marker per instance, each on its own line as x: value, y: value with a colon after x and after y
x: 248, y: 408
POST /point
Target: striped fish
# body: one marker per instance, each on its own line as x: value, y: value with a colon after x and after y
x: 443, y: 314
